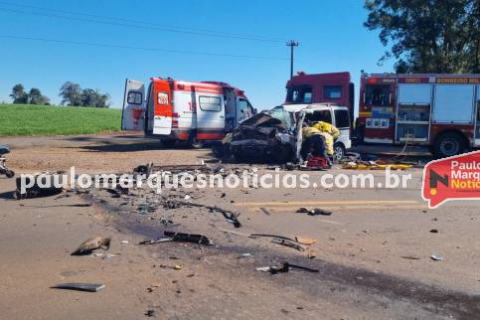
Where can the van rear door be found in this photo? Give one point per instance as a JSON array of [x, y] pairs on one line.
[[133, 105], [162, 120], [342, 122], [210, 116]]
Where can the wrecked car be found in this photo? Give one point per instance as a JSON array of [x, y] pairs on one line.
[[275, 136], [263, 137]]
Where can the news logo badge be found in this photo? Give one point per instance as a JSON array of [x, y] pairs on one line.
[[454, 178]]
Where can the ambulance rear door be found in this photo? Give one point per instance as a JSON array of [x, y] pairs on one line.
[[133, 112], [162, 119]]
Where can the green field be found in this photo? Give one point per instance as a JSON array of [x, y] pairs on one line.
[[22, 120]]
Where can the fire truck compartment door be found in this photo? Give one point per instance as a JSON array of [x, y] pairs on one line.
[[162, 119], [414, 94], [454, 104], [210, 116], [133, 105]]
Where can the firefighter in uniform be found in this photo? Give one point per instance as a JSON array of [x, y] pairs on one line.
[[319, 138]]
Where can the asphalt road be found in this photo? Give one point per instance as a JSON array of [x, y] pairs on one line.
[[373, 253]]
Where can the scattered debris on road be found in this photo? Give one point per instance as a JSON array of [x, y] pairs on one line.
[[150, 313], [410, 258], [264, 210], [284, 267], [36, 188], [89, 287], [314, 212], [89, 245], [437, 257], [289, 243], [179, 237]]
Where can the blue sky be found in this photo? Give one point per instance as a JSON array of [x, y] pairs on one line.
[[331, 35]]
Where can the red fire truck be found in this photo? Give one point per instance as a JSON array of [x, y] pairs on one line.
[[436, 110], [175, 110]]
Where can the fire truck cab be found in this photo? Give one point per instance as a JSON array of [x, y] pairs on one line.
[[434, 110], [174, 110], [332, 88]]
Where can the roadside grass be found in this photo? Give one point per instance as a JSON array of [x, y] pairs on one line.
[[26, 120]]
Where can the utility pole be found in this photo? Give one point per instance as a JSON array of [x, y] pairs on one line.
[[292, 44]]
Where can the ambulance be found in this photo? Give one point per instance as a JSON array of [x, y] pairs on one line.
[[191, 112]]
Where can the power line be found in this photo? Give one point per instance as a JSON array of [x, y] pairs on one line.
[[96, 44], [128, 23]]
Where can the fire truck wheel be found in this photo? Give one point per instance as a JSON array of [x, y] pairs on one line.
[[340, 152], [449, 144]]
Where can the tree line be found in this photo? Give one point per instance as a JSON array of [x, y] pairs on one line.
[[71, 93], [437, 36]]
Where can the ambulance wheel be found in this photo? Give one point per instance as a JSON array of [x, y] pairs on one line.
[[168, 143], [449, 144], [10, 174], [196, 144], [340, 152]]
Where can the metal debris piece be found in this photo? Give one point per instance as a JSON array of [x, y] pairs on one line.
[[315, 212], [186, 237], [170, 236], [265, 235], [289, 243], [436, 257], [228, 215], [89, 287], [156, 241], [115, 193], [264, 210], [284, 267], [43, 179], [410, 258], [150, 313], [89, 245]]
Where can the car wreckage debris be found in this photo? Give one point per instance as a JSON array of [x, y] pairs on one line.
[[169, 236], [264, 210], [36, 190], [285, 267], [89, 287], [288, 243], [314, 212], [89, 245], [229, 216], [300, 244]]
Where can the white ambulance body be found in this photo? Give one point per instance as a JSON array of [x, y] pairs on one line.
[[174, 110]]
